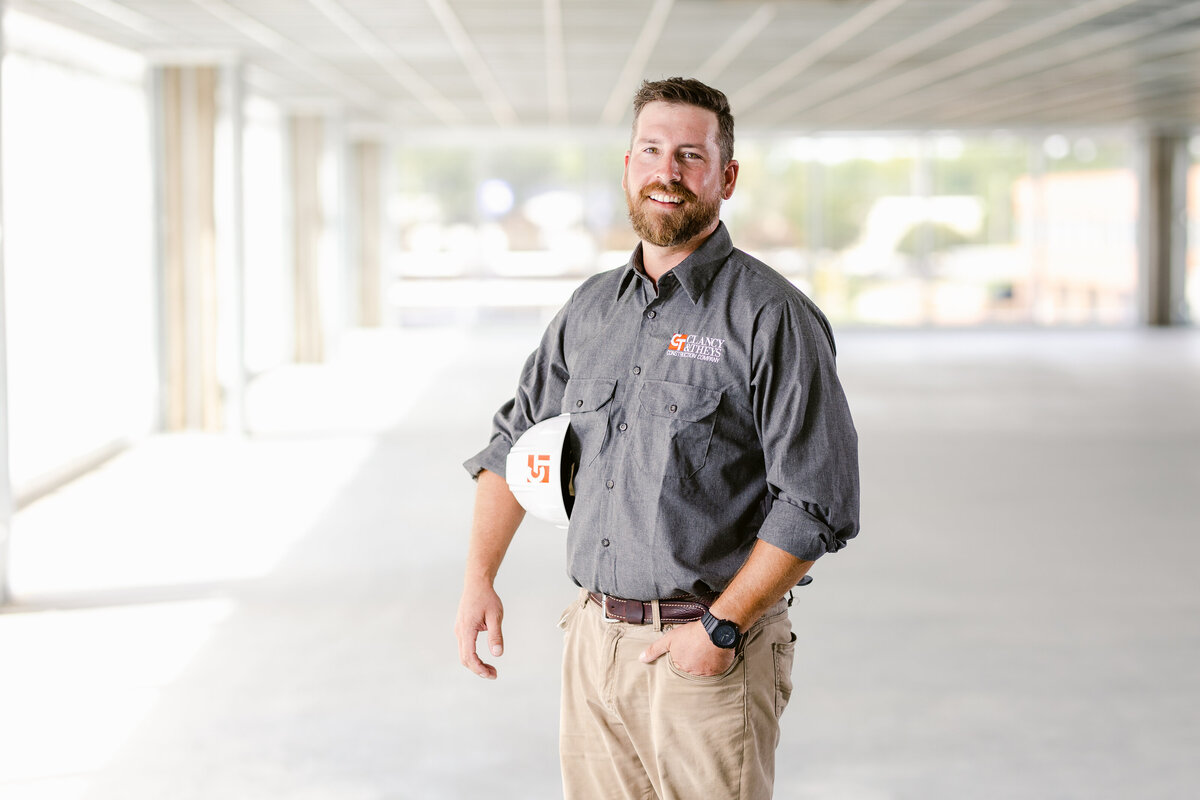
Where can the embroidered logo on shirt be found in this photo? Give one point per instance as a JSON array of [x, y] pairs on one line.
[[701, 348]]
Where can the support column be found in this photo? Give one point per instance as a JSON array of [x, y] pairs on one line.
[[189, 281], [368, 228], [1163, 228], [307, 224], [232, 241], [6, 498]]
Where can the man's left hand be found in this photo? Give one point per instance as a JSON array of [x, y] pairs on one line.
[[691, 651]]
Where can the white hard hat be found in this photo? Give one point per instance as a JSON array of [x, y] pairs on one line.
[[541, 470]]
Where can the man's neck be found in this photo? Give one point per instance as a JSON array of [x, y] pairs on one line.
[[658, 261]]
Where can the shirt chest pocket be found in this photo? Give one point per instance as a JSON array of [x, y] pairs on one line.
[[676, 422], [588, 401]]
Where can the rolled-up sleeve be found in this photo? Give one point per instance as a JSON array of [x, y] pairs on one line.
[[807, 435], [538, 397]]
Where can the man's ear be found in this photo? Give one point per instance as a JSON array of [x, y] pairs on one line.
[[731, 174]]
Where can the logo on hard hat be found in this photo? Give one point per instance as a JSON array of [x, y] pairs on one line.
[[539, 468]]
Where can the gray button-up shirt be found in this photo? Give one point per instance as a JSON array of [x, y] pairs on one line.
[[705, 415]]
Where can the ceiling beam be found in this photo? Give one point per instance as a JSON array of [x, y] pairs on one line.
[[977, 89], [556, 62], [858, 74], [272, 40], [1113, 65], [389, 61], [974, 57], [814, 51], [484, 80], [736, 42], [635, 64], [126, 17]]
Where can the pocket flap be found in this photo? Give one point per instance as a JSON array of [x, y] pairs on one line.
[[678, 400], [587, 394]]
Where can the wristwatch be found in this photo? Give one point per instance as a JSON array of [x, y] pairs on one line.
[[724, 634]]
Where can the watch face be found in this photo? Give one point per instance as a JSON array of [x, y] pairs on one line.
[[725, 635]]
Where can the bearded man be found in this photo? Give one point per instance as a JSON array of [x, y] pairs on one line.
[[717, 462]]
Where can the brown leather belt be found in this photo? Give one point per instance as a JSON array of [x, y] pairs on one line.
[[637, 612]]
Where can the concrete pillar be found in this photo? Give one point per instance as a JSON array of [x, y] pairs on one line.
[[6, 498], [232, 249], [189, 259], [1162, 234], [367, 221], [306, 141]]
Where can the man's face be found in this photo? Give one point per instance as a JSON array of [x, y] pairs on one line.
[[674, 180]]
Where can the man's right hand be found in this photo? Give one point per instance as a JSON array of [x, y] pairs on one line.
[[479, 610]]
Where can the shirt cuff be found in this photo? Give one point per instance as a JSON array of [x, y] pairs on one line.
[[794, 530], [491, 458]]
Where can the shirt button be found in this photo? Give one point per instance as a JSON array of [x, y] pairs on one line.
[[578, 403], [651, 314], [604, 542], [609, 484], [622, 427], [674, 408], [637, 370]]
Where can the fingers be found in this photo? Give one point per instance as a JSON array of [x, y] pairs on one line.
[[479, 610], [656, 649], [495, 636], [469, 658]]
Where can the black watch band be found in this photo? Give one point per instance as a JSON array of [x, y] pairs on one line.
[[721, 632]]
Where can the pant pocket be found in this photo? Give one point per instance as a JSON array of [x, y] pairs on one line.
[[785, 656], [687, 676]]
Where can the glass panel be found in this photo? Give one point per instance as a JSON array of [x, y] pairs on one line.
[[946, 229], [80, 306], [1087, 267]]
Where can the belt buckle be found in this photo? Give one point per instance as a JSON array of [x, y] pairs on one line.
[[604, 610]]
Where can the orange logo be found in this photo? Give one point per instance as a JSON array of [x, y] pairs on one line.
[[539, 469], [677, 342]]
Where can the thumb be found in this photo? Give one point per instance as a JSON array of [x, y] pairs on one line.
[[495, 635], [656, 649]]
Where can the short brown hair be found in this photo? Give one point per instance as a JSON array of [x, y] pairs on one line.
[[691, 92]]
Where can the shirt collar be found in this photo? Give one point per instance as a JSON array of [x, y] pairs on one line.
[[695, 272]]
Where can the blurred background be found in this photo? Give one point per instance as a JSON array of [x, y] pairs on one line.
[[269, 266]]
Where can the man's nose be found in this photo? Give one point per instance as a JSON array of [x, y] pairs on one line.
[[668, 171]]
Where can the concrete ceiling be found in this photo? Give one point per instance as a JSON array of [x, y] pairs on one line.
[[793, 64]]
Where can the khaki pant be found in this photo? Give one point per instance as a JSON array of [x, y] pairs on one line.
[[640, 731]]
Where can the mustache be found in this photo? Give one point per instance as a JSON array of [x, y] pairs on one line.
[[677, 189]]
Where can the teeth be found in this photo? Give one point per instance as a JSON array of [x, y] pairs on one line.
[[666, 198]]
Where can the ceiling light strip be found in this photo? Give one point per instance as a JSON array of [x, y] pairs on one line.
[[635, 65], [829, 41], [496, 102]]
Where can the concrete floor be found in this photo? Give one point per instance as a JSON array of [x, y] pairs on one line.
[[270, 617]]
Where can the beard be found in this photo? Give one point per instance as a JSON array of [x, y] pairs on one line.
[[675, 227]]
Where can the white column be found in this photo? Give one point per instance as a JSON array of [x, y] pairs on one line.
[[6, 498], [1162, 228], [231, 243]]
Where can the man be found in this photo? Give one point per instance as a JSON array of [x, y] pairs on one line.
[[717, 462]]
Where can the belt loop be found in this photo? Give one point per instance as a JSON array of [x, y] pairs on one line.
[[583, 597], [656, 612]]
